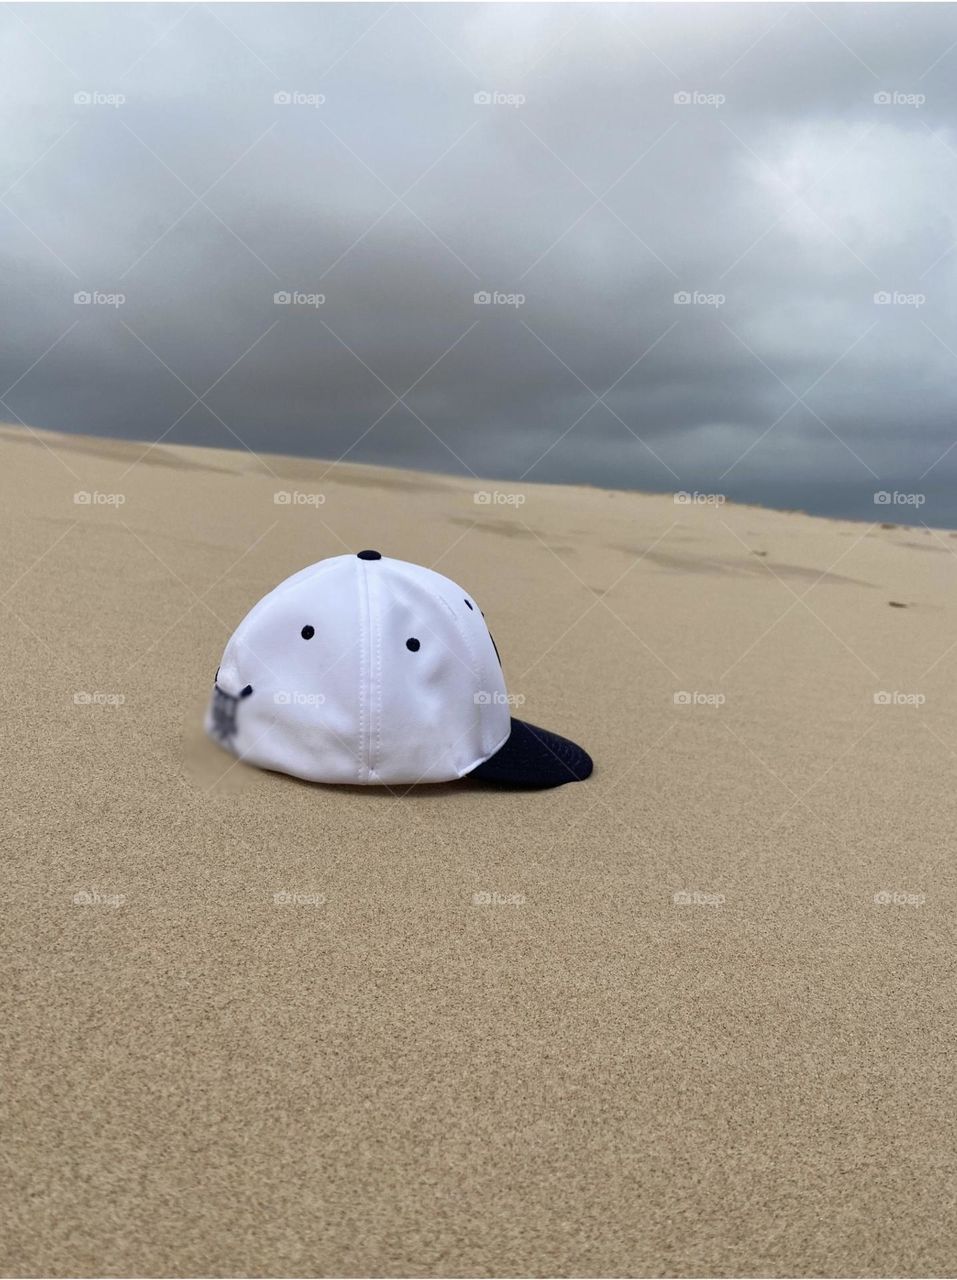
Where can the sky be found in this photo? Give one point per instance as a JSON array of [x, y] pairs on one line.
[[699, 248]]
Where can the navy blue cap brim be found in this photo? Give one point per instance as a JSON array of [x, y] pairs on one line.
[[534, 758]]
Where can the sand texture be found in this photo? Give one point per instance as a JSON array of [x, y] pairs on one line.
[[704, 1027]]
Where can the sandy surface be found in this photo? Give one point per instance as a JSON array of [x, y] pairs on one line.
[[755, 1078]]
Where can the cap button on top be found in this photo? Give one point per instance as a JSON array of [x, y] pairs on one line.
[[369, 555]]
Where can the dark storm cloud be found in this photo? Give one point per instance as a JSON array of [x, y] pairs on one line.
[[780, 166]]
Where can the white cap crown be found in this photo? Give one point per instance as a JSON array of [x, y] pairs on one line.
[[362, 669]]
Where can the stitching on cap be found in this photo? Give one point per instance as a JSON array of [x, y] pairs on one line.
[[375, 722], [479, 671], [363, 592]]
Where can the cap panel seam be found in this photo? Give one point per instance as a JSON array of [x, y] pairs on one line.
[[375, 659], [479, 672], [362, 586], [478, 669], [477, 666]]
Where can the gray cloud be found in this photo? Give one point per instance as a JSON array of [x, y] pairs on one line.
[[742, 155]]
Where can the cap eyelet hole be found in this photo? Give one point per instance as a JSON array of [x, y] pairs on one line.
[[307, 632], [412, 644]]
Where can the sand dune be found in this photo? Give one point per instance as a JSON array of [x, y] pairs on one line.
[[705, 1025]]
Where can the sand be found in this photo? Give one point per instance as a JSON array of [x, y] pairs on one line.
[[588, 1075]]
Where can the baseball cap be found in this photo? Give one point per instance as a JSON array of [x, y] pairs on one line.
[[364, 669]]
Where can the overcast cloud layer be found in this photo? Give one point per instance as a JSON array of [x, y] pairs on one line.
[[792, 170]]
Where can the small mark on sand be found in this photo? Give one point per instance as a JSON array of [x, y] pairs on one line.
[[503, 528], [677, 563], [356, 479], [896, 604]]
